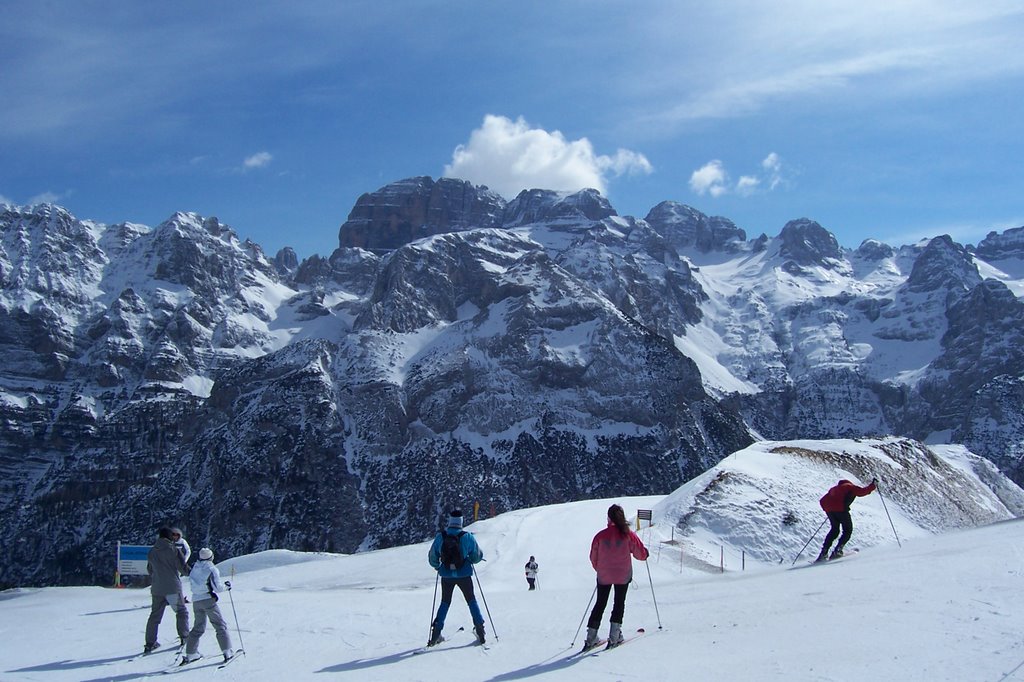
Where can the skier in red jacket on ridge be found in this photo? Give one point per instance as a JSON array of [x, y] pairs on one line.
[[836, 504]]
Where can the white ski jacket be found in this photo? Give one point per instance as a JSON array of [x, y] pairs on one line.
[[205, 575]]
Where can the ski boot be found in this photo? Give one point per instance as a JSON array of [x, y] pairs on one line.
[[591, 641], [186, 659], [435, 635], [479, 630], [615, 637]]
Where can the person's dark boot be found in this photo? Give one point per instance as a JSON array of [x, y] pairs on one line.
[[435, 635], [822, 556], [479, 630]]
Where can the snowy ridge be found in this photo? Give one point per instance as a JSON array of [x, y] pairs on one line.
[[763, 501]]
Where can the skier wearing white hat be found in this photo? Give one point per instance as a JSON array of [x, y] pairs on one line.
[[206, 583]]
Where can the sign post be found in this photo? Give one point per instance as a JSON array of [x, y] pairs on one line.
[[131, 560]]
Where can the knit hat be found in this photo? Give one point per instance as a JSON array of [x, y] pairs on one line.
[[455, 519], [205, 554]]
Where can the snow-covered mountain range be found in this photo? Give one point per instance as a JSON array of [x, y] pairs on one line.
[[458, 348]]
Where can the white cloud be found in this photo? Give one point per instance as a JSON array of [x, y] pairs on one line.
[[5, 200], [712, 178], [772, 53], [509, 156], [45, 198], [747, 185], [772, 166], [258, 160]]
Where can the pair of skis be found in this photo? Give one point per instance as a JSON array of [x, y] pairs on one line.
[[436, 646], [179, 667], [848, 555], [602, 645]]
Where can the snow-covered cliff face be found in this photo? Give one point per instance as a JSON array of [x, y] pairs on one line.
[[458, 349]]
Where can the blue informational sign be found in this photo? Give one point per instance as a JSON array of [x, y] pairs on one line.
[[132, 559]]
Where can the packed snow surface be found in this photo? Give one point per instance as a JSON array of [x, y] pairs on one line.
[[942, 607]]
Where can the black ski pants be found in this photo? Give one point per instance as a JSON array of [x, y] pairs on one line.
[[448, 586], [840, 521], [618, 605]]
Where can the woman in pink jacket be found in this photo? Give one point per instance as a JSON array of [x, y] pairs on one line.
[[611, 555]]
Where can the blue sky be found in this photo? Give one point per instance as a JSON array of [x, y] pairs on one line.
[[891, 120]]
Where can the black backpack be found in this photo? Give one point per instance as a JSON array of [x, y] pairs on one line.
[[451, 551]]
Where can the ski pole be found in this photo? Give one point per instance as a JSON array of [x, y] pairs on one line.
[[433, 605], [580, 626], [486, 608], [808, 541], [900, 544], [651, 580], [241, 645]]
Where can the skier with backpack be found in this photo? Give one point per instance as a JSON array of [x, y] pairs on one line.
[[452, 555]]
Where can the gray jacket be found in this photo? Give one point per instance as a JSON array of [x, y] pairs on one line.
[[165, 567]]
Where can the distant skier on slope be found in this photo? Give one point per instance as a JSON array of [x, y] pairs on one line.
[[531, 573], [452, 554], [836, 505], [165, 566], [610, 555], [206, 583]]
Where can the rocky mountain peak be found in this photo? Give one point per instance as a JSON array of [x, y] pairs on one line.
[[685, 227], [545, 205], [286, 262], [995, 246], [410, 209], [44, 249], [805, 243], [204, 255], [874, 250], [943, 264]]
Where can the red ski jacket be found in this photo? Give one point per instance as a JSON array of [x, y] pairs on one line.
[[841, 495], [611, 552]]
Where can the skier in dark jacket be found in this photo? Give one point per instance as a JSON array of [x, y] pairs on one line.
[[453, 575], [166, 566], [836, 505]]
